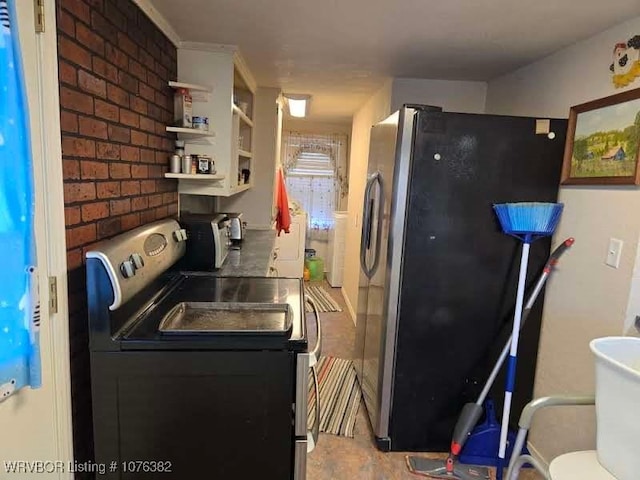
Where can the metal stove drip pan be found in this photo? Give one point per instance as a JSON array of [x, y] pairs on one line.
[[227, 318]]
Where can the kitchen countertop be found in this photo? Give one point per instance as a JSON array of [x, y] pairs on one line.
[[253, 258]]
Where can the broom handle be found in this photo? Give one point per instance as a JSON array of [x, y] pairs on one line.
[[511, 372], [546, 271]]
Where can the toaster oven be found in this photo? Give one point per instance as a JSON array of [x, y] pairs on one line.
[[208, 241], [236, 227]]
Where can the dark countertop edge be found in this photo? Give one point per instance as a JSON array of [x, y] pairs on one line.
[[253, 258]]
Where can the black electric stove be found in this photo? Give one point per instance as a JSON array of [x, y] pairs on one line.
[[194, 376]]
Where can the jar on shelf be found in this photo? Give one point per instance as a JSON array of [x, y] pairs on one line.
[[179, 148], [186, 164], [175, 163]]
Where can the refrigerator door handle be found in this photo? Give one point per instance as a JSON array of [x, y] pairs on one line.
[[364, 238], [369, 225], [376, 258]]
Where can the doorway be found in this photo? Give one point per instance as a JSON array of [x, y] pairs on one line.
[[39, 420]]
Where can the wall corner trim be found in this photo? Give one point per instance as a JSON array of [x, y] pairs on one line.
[[535, 453], [209, 47], [241, 65], [347, 302], [159, 20], [233, 50]]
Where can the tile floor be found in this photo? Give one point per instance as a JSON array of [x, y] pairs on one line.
[[341, 458]]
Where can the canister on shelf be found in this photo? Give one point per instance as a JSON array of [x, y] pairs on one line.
[[186, 164], [174, 163], [180, 147], [204, 164], [182, 106], [200, 123]]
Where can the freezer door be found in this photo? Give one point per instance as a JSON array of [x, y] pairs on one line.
[[460, 271], [390, 154]]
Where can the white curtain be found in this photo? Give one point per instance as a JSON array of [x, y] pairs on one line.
[[316, 173]]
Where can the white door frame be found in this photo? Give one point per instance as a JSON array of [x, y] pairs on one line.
[[55, 226], [48, 183]]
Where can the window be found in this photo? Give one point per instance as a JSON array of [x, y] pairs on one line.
[[315, 168], [312, 164]]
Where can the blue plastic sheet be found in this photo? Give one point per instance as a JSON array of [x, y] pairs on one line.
[[19, 304]]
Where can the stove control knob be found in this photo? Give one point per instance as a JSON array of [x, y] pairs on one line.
[[137, 260], [127, 269]]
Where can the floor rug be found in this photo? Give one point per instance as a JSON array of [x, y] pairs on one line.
[[322, 299], [340, 396]]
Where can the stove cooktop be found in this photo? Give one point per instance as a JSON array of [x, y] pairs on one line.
[[143, 331]]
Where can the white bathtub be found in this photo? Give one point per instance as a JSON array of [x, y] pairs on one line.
[[618, 405]]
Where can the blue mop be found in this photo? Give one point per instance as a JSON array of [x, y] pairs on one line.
[[477, 446], [19, 307], [527, 221]]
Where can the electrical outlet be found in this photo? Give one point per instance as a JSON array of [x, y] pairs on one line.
[[614, 252]]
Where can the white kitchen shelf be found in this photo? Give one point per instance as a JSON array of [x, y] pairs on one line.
[[190, 86], [199, 184], [195, 176], [242, 188], [192, 134], [234, 129], [243, 116]]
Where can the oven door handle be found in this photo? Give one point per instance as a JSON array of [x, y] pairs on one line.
[[314, 434], [314, 355]]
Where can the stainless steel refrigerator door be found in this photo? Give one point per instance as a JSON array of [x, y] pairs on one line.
[[391, 144], [374, 239], [363, 280]]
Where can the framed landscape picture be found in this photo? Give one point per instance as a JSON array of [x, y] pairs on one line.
[[602, 142]]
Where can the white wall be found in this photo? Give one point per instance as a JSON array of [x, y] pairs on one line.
[[453, 96], [257, 202], [585, 299], [375, 109]]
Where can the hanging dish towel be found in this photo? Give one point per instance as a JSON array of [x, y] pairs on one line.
[[19, 309], [283, 220]]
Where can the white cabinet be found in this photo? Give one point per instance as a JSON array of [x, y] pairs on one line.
[[229, 108], [335, 256], [290, 248]]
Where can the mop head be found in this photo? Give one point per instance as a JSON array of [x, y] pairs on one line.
[[428, 467], [528, 218]]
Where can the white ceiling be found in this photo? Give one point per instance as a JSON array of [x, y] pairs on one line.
[[340, 51]]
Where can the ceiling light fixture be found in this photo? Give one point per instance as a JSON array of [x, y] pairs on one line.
[[297, 104]]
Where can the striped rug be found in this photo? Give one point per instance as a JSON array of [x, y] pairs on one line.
[[340, 396], [322, 299]]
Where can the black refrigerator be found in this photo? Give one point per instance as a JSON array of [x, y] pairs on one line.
[[437, 275]]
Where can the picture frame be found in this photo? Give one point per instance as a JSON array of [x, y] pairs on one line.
[[603, 141]]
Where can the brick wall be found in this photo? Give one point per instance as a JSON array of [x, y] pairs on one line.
[[114, 65]]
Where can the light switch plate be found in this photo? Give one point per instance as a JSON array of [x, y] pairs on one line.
[[614, 252]]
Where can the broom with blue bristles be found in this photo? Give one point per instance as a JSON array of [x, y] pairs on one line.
[[527, 221]]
